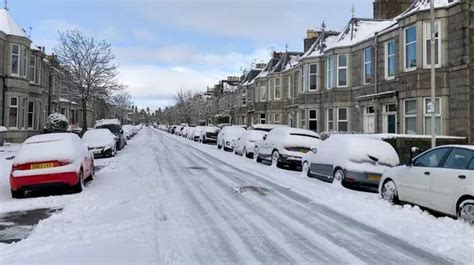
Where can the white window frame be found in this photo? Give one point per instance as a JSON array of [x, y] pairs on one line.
[[332, 120], [290, 85], [18, 60], [339, 68], [368, 114], [338, 120], [405, 45], [263, 92], [405, 115], [428, 115], [313, 74], [330, 72], [25, 63], [275, 87], [17, 107], [260, 119], [312, 119], [275, 120], [385, 114], [389, 57], [366, 63], [304, 82], [28, 112], [427, 46], [32, 69]]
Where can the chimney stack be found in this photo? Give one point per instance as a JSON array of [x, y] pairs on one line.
[[388, 9], [311, 37]]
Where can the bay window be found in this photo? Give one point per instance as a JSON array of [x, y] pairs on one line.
[[367, 65], [31, 115], [15, 59], [313, 77], [304, 81], [277, 88], [427, 43], [330, 72], [410, 48], [13, 116], [32, 69], [342, 72]]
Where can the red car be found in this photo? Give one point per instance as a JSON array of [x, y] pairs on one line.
[[51, 160]]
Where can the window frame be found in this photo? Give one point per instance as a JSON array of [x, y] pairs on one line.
[[264, 119], [18, 55], [330, 72], [304, 82], [455, 149], [263, 92], [427, 47], [275, 88], [17, 107], [32, 113], [388, 58], [410, 116], [330, 110], [440, 163], [428, 115], [406, 44], [275, 120], [367, 63], [290, 86], [32, 69], [313, 119], [315, 74], [338, 120], [339, 68], [385, 114]]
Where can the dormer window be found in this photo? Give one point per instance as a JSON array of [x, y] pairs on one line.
[[15, 59]]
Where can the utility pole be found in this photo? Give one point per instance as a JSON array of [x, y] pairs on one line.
[[432, 106]]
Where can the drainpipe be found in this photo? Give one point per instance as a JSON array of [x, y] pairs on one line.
[[4, 84]]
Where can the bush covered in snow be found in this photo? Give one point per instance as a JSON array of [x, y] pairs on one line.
[[56, 123]]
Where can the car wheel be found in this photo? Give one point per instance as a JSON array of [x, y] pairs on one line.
[[305, 168], [18, 194], [275, 158], [219, 146], [339, 175], [80, 184], [257, 155], [466, 211], [92, 176], [389, 192]]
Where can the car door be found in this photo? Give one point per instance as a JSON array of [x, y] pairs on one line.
[[415, 180], [448, 182]]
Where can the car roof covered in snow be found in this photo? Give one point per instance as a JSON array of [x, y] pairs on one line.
[[107, 121], [294, 131], [265, 127]]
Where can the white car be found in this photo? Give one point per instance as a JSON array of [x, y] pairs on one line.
[[101, 142], [285, 146], [209, 134], [266, 127], [246, 143], [351, 160], [441, 179], [195, 135], [227, 137]]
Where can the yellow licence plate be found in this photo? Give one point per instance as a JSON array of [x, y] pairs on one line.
[[304, 151], [41, 165], [374, 177]]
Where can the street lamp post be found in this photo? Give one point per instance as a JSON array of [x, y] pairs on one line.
[[432, 106]]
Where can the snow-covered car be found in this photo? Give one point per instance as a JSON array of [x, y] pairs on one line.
[[441, 179], [188, 131], [209, 134], [101, 142], [47, 160], [351, 160], [195, 135], [285, 146], [245, 145], [129, 131], [115, 127], [227, 137]]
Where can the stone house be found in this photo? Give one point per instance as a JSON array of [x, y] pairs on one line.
[[374, 75]]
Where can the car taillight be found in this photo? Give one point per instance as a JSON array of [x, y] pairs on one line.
[[62, 163], [20, 167]]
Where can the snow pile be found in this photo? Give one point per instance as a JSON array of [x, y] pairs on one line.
[[3, 129], [57, 122]]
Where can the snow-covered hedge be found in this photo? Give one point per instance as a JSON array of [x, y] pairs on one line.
[[57, 123]]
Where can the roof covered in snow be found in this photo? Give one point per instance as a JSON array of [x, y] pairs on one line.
[[326, 39], [250, 76], [424, 5], [9, 26]]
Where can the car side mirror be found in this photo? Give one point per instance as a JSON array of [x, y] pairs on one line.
[[314, 150], [409, 161]]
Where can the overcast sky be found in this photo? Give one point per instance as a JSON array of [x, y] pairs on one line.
[[162, 46]]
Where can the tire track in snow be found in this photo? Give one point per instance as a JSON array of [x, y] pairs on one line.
[[380, 245]]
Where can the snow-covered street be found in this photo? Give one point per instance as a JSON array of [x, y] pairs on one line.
[[168, 200]]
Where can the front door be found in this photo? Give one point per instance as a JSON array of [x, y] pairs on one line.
[[369, 120]]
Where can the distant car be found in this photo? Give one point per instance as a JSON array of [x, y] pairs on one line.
[[57, 159], [209, 134], [351, 160], [227, 137], [245, 145], [195, 135], [115, 127], [441, 179], [285, 146], [129, 131], [101, 142]]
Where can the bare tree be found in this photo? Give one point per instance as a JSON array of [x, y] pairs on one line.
[[89, 64], [123, 101]]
